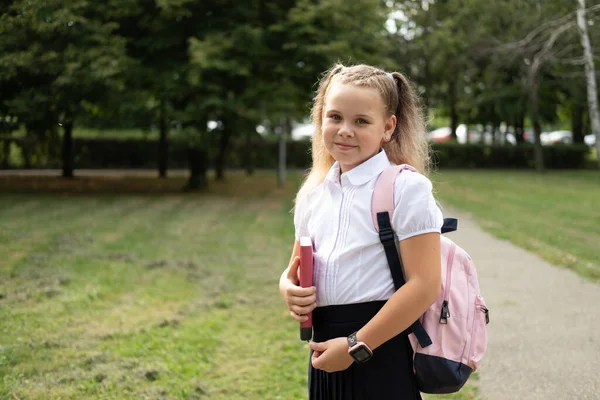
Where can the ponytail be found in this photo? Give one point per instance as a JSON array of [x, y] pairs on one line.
[[408, 144]]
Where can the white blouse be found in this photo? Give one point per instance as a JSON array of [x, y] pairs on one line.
[[349, 260]]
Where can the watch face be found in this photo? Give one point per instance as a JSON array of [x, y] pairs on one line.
[[361, 354]]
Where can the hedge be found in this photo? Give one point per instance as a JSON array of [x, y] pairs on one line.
[[100, 153], [454, 155]]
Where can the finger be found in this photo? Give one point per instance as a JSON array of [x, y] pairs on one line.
[[315, 360], [295, 290], [301, 310], [316, 346], [293, 270], [299, 317], [303, 301]]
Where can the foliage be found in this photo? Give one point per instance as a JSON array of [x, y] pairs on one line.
[[97, 153], [175, 65]]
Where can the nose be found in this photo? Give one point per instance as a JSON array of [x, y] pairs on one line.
[[345, 130]]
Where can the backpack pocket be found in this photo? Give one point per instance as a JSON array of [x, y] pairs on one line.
[[479, 336]]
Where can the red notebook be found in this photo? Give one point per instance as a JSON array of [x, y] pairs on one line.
[[306, 280]]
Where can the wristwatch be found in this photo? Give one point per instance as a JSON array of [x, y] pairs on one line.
[[359, 351]]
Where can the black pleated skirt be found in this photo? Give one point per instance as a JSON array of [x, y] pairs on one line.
[[388, 375]]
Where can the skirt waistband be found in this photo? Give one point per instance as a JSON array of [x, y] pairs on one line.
[[346, 312]]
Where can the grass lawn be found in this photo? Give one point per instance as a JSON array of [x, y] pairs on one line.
[[147, 293], [556, 214], [82, 132], [79, 132]]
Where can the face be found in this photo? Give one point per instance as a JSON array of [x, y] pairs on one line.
[[355, 124]]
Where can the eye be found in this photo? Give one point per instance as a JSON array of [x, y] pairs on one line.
[[335, 117], [361, 121]]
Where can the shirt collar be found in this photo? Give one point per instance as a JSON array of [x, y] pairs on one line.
[[362, 173]]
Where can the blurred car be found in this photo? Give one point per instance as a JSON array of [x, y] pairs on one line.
[[590, 140], [302, 131], [444, 134], [529, 135], [556, 137], [440, 135]]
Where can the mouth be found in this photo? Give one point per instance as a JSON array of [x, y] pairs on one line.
[[342, 146]]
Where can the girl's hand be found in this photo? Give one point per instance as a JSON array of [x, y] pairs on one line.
[[300, 300], [332, 355]]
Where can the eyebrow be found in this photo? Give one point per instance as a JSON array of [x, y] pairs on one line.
[[358, 115]]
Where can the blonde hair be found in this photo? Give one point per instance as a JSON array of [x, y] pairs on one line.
[[407, 145]]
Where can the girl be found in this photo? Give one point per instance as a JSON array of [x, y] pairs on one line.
[[365, 120]]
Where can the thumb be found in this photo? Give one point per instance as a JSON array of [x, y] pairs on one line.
[[320, 347], [293, 271]]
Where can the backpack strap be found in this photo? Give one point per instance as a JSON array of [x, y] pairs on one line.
[[382, 206], [382, 209], [383, 197]]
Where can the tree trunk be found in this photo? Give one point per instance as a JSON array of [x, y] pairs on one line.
[[249, 156], [163, 145], [6, 150], [198, 169], [225, 135], [533, 114], [453, 112], [284, 124], [520, 128], [504, 134], [577, 122], [67, 154], [425, 98], [26, 150], [590, 73]]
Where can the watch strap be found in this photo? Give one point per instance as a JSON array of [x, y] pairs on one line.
[[352, 340]]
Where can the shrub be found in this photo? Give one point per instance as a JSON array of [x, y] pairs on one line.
[[101, 153]]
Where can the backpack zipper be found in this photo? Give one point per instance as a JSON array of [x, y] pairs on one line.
[[479, 307], [445, 313]]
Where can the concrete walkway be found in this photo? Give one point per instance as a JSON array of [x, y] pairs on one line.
[[544, 331]]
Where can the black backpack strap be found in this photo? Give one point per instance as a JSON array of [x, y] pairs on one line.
[[450, 225], [388, 239]]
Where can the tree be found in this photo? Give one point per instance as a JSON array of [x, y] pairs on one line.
[[65, 56], [260, 62], [590, 73], [313, 37], [157, 33]]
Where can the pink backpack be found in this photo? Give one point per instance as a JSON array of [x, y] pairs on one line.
[[450, 339]]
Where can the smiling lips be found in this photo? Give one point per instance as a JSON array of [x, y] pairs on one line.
[[342, 146]]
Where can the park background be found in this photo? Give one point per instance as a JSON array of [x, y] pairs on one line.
[[150, 151]]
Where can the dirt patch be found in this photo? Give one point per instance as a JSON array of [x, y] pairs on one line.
[[104, 184], [46, 344], [174, 322], [94, 359], [69, 243], [34, 283], [122, 257], [151, 375]]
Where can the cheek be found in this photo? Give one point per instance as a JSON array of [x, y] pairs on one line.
[[328, 132]]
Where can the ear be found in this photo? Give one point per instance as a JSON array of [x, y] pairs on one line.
[[390, 126]]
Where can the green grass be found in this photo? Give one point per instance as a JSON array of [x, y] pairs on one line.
[[82, 132], [79, 132], [554, 214], [127, 288]]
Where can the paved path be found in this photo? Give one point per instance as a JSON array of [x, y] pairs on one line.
[[544, 333]]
